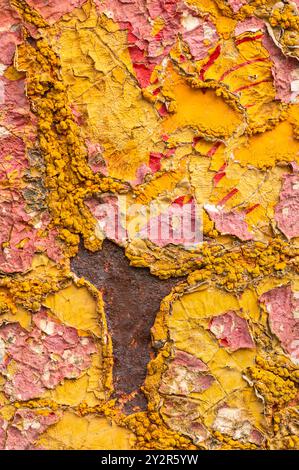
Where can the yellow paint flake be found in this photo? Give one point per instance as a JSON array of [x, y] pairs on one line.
[[199, 109], [267, 149], [88, 433], [97, 70], [75, 306]]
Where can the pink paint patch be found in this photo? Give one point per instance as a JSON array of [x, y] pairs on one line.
[[229, 222], [143, 74], [20, 236], [9, 16], [185, 359], [109, 214], [3, 426], [95, 158], [236, 4], [163, 111], [8, 42], [287, 210], [14, 107], [24, 430], [250, 24], [141, 173], [53, 10], [14, 230], [186, 374], [44, 357], [13, 158], [178, 224], [285, 70], [282, 305], [19, 223], [232, 331], [196, 36]]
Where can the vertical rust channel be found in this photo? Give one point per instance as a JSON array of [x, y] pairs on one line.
[[132, 298]]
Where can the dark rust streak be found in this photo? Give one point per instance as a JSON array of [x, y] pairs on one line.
[[132, 298]]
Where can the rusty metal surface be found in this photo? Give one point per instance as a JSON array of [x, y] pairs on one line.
[[132, 298]]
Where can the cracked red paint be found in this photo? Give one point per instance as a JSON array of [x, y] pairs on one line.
[[148, 50], [44, 356], [53, 10]]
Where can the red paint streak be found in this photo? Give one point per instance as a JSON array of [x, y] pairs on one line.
[[218, 177], [170, 152], [182, 200], [239, 66], [222, 168], [248, 38], [163, 111], [228, 196], [213, 149], [220, 174], [131, 37], [159, 35], [196, 139], [250, 209], [214, 56], [179, 200], [250, 86]]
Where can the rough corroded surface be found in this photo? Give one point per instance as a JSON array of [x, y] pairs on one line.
[[131, 300]]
